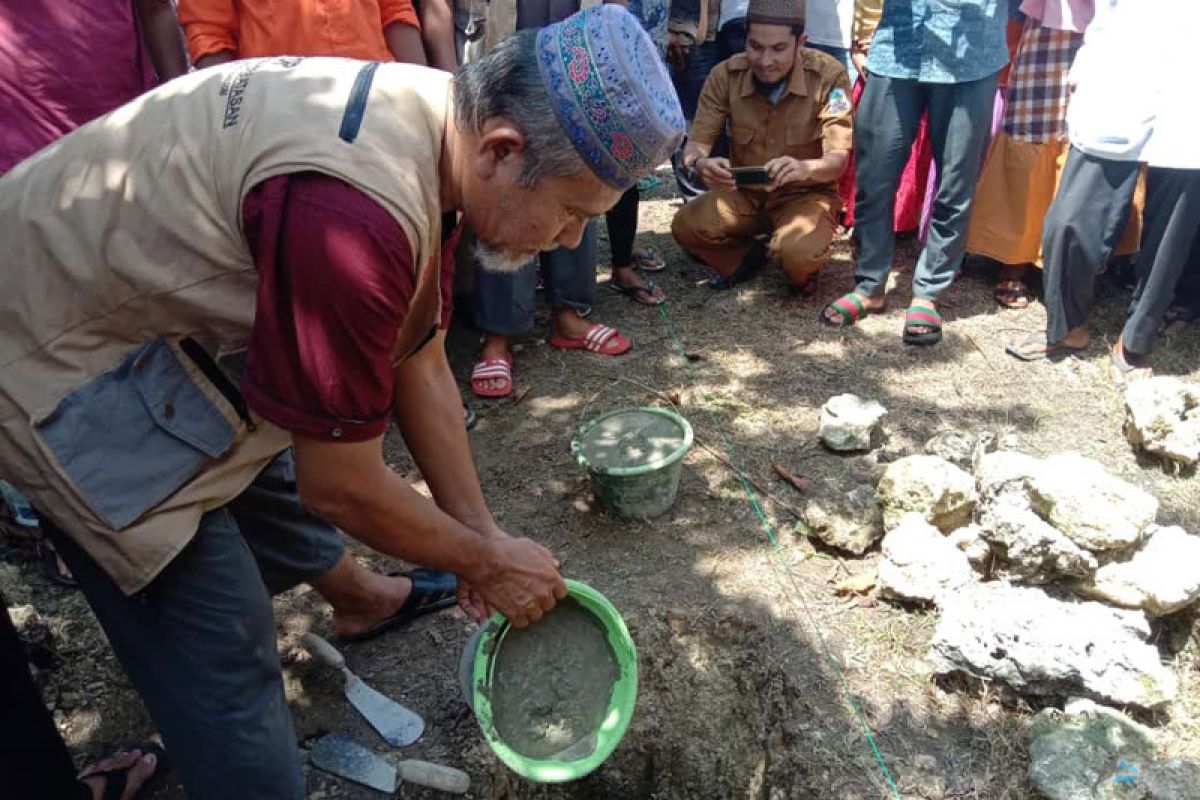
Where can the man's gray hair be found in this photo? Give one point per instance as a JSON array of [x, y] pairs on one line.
[[506, 83]]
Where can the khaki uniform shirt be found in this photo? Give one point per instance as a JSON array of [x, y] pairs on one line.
[[811, 119]]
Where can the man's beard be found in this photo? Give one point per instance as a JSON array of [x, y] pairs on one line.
[[493, 260]]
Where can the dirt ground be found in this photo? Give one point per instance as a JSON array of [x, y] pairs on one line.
[[739, 696]]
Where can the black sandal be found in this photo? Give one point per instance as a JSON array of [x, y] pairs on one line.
[[115, 780], [432, 590]]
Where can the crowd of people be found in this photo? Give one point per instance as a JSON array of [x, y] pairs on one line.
[[236, 189]]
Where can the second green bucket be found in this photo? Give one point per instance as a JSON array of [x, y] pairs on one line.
[[634, 457]]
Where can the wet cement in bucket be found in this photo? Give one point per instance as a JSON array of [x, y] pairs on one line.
[[552, 683], [630, 440]]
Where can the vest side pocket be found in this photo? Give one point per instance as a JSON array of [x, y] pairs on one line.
[[131, 437]]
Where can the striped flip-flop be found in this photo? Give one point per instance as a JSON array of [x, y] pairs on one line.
[[599, 339], [850, 309], [489, 370], [922, 317]]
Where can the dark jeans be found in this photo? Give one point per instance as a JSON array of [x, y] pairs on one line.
[[701, 59], [33, 758], [960, 122], [503, 302], [1171, 221], [1082, 227], [199, 642]]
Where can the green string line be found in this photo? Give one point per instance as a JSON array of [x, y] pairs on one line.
[[776, 555]]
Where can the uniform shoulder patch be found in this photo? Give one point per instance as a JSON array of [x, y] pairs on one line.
[[838, 103]]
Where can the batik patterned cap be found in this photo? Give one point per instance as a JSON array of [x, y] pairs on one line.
[[611, 92]]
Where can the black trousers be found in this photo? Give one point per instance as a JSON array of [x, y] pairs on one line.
[[622, 222], [33, 757], [1082, 227], [1171, 222]]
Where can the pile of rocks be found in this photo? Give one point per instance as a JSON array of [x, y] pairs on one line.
[[1045, 572]]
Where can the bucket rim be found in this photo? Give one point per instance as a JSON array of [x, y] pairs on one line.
[[641, 469], [620, 705]]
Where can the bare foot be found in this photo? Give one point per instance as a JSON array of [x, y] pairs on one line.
[[494, 346], [567, 324], [628, 278], [360, 598], [140, 769]]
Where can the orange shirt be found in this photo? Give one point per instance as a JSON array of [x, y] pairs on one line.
[[251, 28]]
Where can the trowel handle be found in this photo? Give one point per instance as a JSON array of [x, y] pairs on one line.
[[435, 776], [322, 650]]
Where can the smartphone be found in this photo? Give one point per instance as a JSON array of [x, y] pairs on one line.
[[751, 176]]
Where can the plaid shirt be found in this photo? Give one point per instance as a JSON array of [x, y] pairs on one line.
[[1036, 110], [937, 41]]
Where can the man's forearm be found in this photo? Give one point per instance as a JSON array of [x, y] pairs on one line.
[[694, 151], [429, 412], [404, 43], [163, 37], [828, 168], [213, 59], [437, 31]]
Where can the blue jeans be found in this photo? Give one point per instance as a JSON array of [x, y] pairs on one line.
[[503, 303], [960, 122], [842, 54], [199, 642]]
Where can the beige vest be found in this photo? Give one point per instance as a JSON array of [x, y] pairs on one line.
[[123, 238]]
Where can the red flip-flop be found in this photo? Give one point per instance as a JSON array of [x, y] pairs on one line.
[[599, 339], [492, 369]]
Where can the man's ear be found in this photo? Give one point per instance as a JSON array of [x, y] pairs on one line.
[[500, 144]]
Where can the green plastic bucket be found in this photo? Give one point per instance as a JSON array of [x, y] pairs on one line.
[[476, 674], [634, 457]]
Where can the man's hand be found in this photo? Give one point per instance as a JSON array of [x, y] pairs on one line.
[[676, 51], [786, 170], [858, 57], [716, 174], [518, 577]]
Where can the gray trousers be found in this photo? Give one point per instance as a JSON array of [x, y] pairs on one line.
[[1082, 227], [1171, 222], [199, 642], [886, 122], [503, 303]]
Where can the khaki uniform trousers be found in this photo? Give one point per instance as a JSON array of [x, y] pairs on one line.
[[720, 228]]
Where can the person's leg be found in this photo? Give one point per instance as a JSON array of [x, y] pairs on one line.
[[622, 222], [689, 80], [571, 285], [803, 231], [502, 306], [199, 645], [841, 54], [292, 546], [888, 115], [960, 119], [719, 229], [33, 757], [1084, 221], [1172, 219]]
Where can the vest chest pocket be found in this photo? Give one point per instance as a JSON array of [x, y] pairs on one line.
[[131, 437]]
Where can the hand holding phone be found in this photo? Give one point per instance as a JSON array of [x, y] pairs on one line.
[[751, 176]]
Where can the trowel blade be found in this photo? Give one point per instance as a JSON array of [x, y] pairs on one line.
[[396, 724], [342, 756]]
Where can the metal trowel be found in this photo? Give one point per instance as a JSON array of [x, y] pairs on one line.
[[342, 756], [395, 723]]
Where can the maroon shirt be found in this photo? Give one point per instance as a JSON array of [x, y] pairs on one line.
[[335, 279]]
